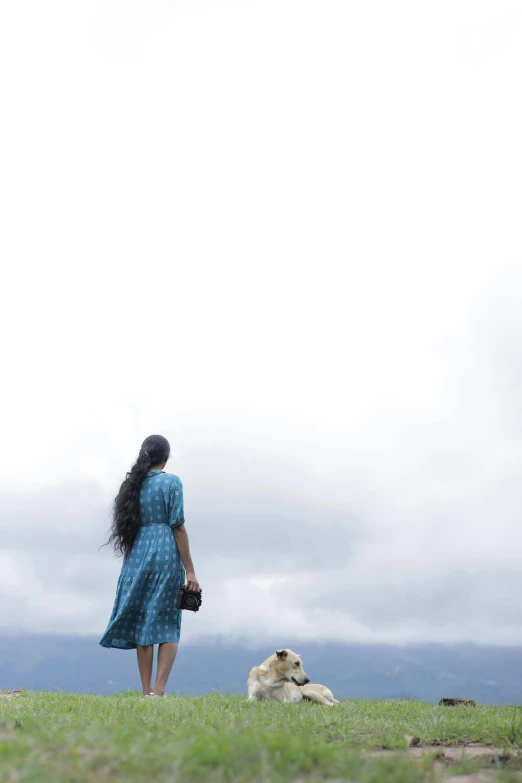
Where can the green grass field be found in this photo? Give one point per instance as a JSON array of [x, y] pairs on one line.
[[73, 738]]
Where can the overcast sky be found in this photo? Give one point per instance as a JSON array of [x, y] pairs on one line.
[[286, 235]]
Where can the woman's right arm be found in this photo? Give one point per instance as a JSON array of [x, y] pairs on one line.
[[181, 536]]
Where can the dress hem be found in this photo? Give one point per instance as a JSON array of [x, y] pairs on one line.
[[123, 644]]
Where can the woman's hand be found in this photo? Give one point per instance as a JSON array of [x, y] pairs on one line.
[[192, 582]]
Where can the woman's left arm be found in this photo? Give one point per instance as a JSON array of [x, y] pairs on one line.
[[182, 540]]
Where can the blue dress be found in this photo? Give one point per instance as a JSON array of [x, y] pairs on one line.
[[152, 573]]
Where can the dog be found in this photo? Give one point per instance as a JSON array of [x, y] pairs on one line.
[[282, 677]]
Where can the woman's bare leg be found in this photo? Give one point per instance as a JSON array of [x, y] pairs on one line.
[[145, 660], [166, 657]]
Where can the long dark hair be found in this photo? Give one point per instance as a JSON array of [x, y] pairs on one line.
[[155, 450]]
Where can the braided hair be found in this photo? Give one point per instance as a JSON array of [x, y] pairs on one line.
[[155, 450]]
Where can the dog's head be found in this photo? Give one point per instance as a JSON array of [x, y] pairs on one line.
[[290, 667]]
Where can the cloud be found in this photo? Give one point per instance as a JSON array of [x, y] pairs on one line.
[[416, 540]]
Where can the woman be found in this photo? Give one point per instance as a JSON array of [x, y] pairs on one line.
[[148, 529]]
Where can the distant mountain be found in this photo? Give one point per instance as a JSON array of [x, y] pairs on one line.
[[491, 675]]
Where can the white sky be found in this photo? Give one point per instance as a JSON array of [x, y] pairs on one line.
[[287, 236]]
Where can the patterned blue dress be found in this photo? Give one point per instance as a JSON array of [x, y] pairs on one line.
[[152, 573]]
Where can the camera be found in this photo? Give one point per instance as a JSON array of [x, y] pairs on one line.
[[189, 599]]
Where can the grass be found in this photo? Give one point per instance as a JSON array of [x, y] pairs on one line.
[[71, 738]]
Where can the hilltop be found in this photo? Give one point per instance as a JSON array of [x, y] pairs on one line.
[[89, 739]]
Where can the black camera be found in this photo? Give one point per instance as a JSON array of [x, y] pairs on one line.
[[189, 599]]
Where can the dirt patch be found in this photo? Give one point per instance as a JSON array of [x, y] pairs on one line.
[[457, 753], [480, 778]]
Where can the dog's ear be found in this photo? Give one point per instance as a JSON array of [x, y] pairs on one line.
[[281, 654]]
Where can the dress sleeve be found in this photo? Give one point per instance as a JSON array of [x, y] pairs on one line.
[[176, 511]]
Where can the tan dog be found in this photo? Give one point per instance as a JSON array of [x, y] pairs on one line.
[[282, 677]]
